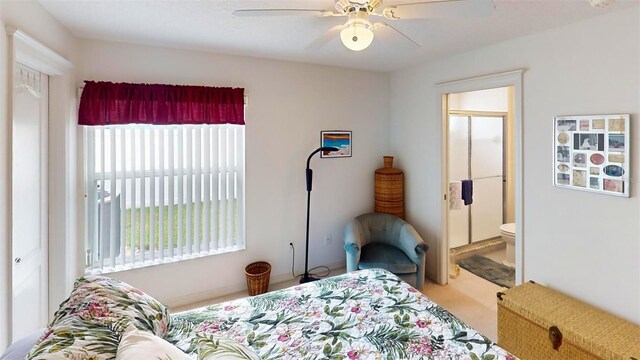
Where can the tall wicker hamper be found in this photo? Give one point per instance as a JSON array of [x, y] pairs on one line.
[[535, 322], [389, 189]]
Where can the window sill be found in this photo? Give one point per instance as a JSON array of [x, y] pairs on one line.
[[166, 260]]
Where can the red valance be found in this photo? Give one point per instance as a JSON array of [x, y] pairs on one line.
[[107, 103]]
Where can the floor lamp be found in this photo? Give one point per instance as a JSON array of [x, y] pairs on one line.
[[309, 172]]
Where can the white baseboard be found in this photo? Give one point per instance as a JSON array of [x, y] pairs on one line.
[[231, 289]]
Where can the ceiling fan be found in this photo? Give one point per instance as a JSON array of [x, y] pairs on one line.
[[358, 32]]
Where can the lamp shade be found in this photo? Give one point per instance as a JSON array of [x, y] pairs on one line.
[[357, 34]]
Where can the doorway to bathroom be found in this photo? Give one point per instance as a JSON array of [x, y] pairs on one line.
[[481, 187]]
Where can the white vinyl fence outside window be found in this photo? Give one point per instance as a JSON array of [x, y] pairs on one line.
[[156, 194]]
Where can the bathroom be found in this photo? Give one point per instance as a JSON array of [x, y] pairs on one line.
[[481, 178]]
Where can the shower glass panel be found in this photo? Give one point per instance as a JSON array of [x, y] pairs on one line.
[[459, 170], [476, 152], [487, 175]]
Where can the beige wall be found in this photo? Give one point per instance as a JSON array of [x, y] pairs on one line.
[[586, 245], [288, 105], [482, 100]]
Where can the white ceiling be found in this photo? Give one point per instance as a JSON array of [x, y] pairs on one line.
[[211, 26]]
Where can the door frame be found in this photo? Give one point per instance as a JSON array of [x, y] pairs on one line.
[[27, 51], [504, 79]]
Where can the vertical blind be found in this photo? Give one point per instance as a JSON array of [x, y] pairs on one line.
[[158, 193]]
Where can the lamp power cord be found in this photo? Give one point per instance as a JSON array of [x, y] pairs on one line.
[[325, 273]]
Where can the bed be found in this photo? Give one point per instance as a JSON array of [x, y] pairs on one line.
[[368, 314]]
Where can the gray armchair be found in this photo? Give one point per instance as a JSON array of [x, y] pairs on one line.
[[378, 240]]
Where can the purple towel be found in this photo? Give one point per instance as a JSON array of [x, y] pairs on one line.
[[467, 191]]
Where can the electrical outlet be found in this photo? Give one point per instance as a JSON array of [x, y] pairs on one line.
[[327, 239]]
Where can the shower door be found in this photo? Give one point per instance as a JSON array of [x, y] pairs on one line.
[[476, 152]]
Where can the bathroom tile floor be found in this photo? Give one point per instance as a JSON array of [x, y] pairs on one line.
[[469, 297], [498, 255]]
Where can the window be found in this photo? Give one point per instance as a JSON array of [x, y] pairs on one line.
[[160, 193]]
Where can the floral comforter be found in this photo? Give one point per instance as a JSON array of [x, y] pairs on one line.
[[368, 314]]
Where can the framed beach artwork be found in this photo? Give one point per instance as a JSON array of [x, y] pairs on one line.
[[591, 153], [336, 138]]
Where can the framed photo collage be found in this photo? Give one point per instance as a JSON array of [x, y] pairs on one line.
[[592, 153]]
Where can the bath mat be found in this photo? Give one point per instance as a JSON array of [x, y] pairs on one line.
[[490, 270]]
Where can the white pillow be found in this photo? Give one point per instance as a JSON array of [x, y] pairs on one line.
[[137, 344]]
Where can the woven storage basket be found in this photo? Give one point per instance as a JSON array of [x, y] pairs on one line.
[[389, 189], [258, 274], [390, 207], [533, 320]]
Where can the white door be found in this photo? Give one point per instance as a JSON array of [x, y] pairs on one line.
[[29, 224], [487, 175]]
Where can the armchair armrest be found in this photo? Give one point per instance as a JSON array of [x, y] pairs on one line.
[[412, 244], [353, 243]]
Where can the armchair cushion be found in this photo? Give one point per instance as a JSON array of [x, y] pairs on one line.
[[379, 255]]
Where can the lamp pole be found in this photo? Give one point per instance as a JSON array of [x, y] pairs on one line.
[[309, 173]]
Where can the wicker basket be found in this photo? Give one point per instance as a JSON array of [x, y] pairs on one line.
[[390, 207], [258, 274], [389, 189], [535, 322]]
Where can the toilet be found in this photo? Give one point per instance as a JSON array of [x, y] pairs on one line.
[[508, 232]]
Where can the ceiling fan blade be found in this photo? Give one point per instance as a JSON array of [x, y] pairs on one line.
[[380, 26], [283, 12], [439, 9], [325, 38]]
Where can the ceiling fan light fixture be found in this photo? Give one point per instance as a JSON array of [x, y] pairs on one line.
[[357, 34], [356, 37]]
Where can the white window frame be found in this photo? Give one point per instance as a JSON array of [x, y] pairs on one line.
[[232, 168]]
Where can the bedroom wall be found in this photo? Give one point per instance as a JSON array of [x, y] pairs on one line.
[[482, 100], [31, 18], [288, 105], [583, 244]]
